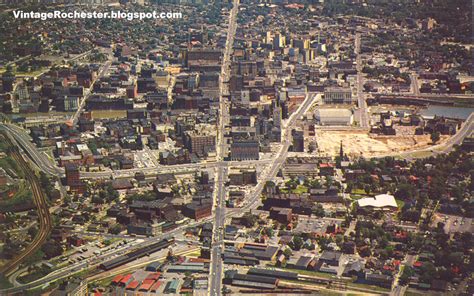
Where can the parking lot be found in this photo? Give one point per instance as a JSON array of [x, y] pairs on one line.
[[453, 223]]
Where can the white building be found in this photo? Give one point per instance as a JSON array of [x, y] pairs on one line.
[[381, 201], [334, 117]]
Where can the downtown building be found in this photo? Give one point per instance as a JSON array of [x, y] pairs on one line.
[[338, 95]]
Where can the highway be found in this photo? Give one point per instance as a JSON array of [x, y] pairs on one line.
[[40, 200], [182, 251], [252, 201], [91, 264], [46, 165], [216, 268], [466, 130], [38, 158]]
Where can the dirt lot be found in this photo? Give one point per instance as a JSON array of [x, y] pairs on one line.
[[357, 143], [108, 114]]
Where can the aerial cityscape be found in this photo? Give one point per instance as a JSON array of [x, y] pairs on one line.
[[239, 147]]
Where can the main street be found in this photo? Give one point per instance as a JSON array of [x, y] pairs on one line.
[[216, 270], [88, 92]]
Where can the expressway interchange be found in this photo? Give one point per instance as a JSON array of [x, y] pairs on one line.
[[46, 165], [39, 199]]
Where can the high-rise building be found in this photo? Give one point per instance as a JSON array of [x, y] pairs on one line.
[[201, 140], [279, 41], [72, 174], [276, 113], [71, 103], [73, 178], [7, 81], [298, 140]]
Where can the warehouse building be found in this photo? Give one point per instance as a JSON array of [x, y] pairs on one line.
[[253, 281], [334, 117], [193, 267], [273, 273]]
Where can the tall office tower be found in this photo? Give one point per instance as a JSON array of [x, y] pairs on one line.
[[276, 113]]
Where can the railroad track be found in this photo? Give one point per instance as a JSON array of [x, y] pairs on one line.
[[39, 199]]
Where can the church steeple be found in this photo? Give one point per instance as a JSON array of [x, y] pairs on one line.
[[341, 152]]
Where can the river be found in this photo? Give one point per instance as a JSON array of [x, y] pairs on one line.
[[447, 111]]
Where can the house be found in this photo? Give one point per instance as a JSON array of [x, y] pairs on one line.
[[122, 184], [348, 247]]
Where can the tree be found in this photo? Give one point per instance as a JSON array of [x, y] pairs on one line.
[[318, 210], [367, 188], [407, 273], [296, 243], [456, 258], [52, 249], [32, 231], [435, 136], [268, 231], [428, 272], [116, 229], [405, 191]]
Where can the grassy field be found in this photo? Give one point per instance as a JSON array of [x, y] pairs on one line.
[[27, 73], [36, 273], [4, 283], [298, 190], [357, 196], [400, 203], [9, 165], [418, 154], [413, 293], [358, 192], [22, 196]]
